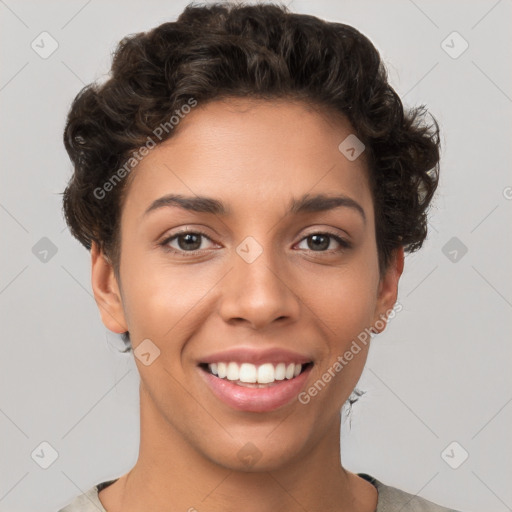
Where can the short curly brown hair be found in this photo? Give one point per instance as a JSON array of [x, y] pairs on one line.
[[262, 51]]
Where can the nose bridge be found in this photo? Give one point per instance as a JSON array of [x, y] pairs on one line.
[[257, 263], [257, 289], [258, 266]]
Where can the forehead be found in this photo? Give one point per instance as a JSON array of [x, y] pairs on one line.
[[251, 153]]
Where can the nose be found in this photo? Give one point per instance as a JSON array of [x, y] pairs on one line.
[[259, 292]]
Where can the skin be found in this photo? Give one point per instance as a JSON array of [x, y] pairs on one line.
[[254, 155]]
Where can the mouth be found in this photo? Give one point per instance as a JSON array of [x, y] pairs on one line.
[[255, 376], [255, 388]]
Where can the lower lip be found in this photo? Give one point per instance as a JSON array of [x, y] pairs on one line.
[[256, 399]]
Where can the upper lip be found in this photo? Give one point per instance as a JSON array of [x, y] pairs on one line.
[[256, 356]]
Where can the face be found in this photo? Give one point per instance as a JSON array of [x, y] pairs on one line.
[[255, 284]]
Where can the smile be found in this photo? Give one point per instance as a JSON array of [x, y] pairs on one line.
[[248, 373], [252, 388]]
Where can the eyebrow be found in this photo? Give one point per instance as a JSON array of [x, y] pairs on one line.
[[304, 204]]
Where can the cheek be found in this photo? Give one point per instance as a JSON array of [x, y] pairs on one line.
[[345, 299], [164, 301], [161, 301], [343, 312]]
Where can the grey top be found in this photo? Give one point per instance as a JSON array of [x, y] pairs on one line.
[[390, 499]]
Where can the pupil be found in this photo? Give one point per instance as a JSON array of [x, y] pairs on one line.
[[187, 237], [322, 246]]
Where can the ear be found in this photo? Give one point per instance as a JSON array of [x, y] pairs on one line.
[[106, 291], [388, 291]]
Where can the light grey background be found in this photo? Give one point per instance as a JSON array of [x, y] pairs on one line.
[[439, 373]]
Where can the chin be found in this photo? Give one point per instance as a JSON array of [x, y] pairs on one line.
[[258, 453]]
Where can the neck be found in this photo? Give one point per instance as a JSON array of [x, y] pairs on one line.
[[171, 475]]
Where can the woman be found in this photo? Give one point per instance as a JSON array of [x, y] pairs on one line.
[[273, 145]]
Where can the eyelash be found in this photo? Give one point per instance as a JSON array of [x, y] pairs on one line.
[[164, 244]]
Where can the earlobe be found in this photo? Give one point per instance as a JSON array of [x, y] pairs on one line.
[[388, 290], [106, 291]]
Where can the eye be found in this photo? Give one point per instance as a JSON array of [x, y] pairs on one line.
[[188, 242], [321, 241]]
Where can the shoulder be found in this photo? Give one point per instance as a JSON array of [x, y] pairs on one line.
[[88, 501], [389, 498]]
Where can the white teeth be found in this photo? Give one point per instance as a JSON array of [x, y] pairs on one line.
[[247, 372], [221, 368], [232, 372], [280, 372], [265, 373]]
